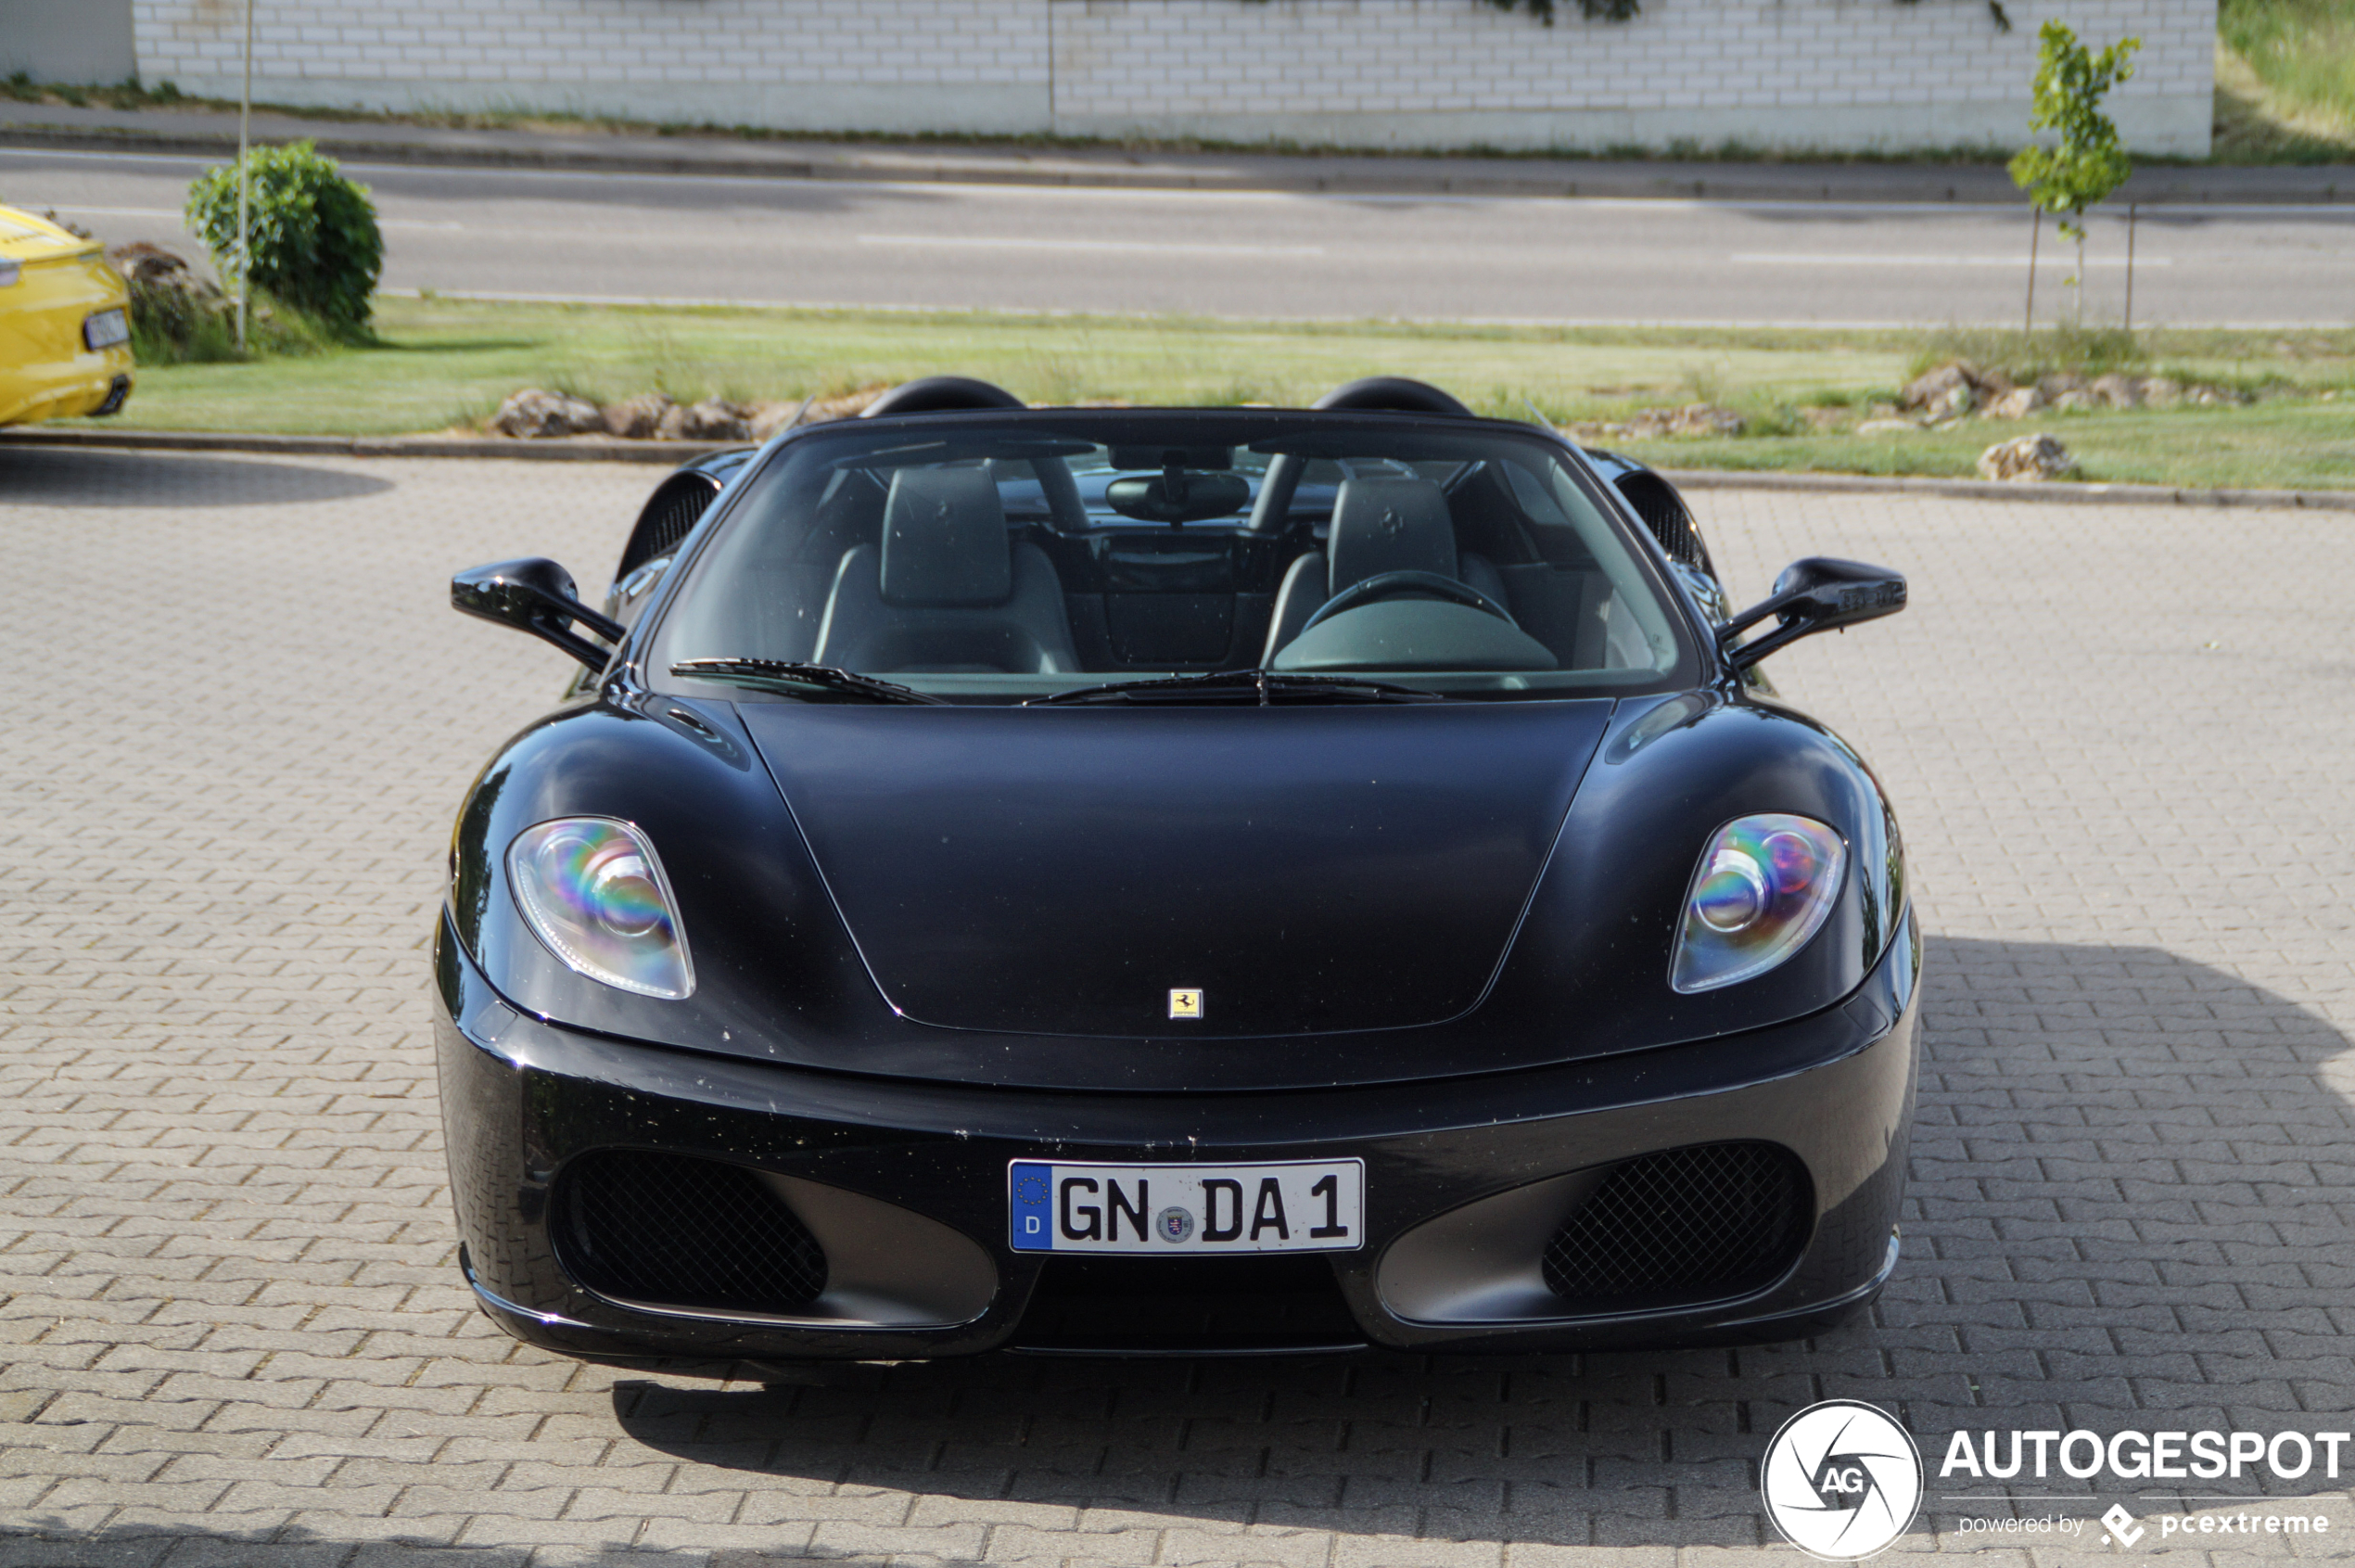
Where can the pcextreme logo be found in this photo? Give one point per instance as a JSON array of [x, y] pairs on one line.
[[1842, 1479]]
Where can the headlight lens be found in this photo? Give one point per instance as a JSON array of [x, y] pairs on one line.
[[1765, 885], [593, 890]]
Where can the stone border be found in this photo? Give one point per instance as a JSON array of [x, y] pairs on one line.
[[608, 449]]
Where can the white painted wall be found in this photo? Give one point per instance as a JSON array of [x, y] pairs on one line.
[[1855, 75]]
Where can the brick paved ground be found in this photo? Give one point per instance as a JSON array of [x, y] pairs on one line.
[[232, 1330]]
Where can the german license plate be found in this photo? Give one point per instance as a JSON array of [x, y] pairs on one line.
[[1301, 1206]]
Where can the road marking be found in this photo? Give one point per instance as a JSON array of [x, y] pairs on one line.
[[1112, 247], [176, 215], [1804, 259]]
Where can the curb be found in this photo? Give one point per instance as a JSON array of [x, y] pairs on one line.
[[1990, 489], [606, 449], [1341, 173], [572, 449]]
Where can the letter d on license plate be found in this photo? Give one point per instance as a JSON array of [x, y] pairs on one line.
[[1304, 1206]]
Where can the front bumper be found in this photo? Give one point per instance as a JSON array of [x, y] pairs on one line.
[[521, 1098]]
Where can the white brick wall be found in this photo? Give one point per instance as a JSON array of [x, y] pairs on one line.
[[1850, 74]]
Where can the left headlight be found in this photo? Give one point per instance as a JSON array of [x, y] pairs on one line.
[[593, 889], [1765, 884]]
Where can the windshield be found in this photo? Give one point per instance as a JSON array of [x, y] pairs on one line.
[[1006, 556]]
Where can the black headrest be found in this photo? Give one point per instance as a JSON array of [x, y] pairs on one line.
[[944, 540], [1389, 525], [1397, 393], [939, 394]]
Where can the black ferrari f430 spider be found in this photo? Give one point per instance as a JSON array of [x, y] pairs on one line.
[[1145, 880]]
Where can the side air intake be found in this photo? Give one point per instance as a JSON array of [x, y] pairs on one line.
[[1688, 1225], [679, 1231]]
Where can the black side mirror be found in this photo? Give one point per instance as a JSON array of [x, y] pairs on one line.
[[1815, 594], [537, 596]]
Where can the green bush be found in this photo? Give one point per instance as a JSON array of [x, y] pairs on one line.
[[315, 243]]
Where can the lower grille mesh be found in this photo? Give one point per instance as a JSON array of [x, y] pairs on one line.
[[675, 1230], [1683, 1224]]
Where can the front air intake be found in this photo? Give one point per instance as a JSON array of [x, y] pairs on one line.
[[1680, 1227], [672, 1231]]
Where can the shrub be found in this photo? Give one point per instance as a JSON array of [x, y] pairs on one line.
[[315, 243]]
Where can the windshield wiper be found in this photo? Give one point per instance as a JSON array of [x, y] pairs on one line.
[[1268, 685], [821, 681]]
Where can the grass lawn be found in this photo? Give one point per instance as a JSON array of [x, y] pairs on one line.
[[2285, 81], [448, 364]]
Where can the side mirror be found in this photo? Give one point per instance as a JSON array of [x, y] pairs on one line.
[[537, 596], [1815, 594]]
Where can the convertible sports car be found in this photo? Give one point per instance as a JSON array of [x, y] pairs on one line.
[[1158, 881]]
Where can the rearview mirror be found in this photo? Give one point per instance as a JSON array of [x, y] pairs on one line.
[[537, 596], [1815, 594]]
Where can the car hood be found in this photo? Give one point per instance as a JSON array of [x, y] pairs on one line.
[[1063, 870]]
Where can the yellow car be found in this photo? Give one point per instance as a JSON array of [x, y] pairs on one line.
[[65, 324]]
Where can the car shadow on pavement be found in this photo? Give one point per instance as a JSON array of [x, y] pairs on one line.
[[2128, 1212], [2124, 1214], [98, 477]]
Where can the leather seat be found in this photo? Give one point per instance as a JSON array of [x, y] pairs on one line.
[[946, 589], [1380, 524]]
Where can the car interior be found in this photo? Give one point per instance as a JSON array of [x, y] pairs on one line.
[[978, 557]]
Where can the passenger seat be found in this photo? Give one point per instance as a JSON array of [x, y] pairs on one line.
[[946, 589]]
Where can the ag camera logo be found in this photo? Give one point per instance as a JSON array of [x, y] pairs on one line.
[[1842, 1479]]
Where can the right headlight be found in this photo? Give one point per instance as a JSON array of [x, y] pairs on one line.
[[1765, 884], [591, 889]]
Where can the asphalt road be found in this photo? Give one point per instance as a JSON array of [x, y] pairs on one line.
[[1265, 255], [233, 1330]]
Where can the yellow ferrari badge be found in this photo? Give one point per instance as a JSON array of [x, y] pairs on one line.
[[1185, 1004]]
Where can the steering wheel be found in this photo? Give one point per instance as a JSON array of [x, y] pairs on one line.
[[1384, 585]]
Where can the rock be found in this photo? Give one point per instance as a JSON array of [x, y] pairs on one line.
[[1952, 403], [1693, 419], [2117, 391], [152, 266], [1886, 427], [1931, 385], [714, 419], [2027, 458], [532, 415], [767, 418], [2018, 403], [844, 405], [2161, 393], [637, 418]]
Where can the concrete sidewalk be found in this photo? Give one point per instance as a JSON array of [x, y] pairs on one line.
[[212, 132]]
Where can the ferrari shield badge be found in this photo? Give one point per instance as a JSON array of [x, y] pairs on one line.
[[1185, 1004]]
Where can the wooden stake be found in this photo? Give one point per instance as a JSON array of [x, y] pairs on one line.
[[2035, 227], [2131, 208]]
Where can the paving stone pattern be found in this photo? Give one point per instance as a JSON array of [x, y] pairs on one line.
[[232, 1328]]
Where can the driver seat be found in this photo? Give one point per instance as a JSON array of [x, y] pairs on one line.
[[1380, 524]]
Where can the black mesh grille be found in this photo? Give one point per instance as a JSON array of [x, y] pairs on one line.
[[1665, 514], [1685, 1225], [669, 516], [679, 1231]]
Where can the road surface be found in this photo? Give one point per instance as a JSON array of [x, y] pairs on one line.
[[1266, 254]]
